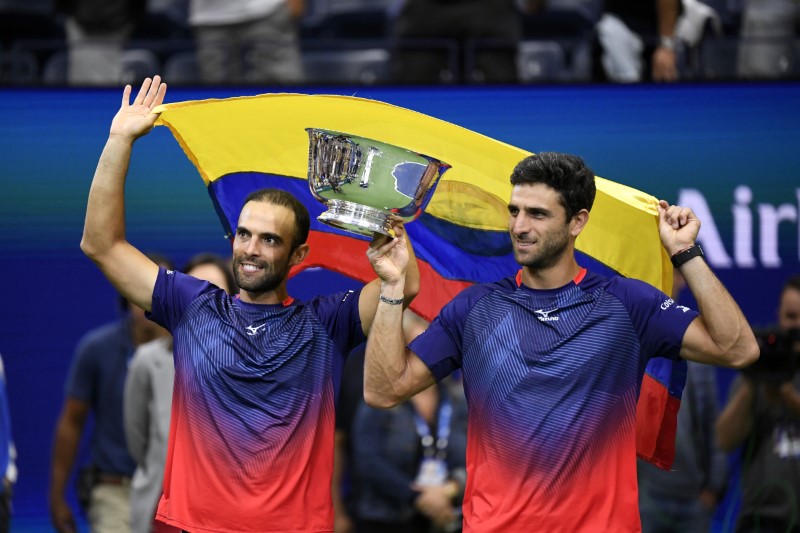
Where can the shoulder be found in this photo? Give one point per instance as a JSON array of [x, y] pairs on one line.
[[103, 336], [473, 293], [631, 290], [325, 302]]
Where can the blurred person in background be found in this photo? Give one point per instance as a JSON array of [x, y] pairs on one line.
[[637, 41], [762, 417], [410, 462], [247, 41], [97, 31], [95, 385], [768, 33], [148, 402]]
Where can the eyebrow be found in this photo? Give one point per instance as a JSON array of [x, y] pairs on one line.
[[267, 234], [532, 210]]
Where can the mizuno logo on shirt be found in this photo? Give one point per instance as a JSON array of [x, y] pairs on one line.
[[544, 316], [255, 330]]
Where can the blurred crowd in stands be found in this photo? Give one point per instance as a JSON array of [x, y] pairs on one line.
[[281, 42]]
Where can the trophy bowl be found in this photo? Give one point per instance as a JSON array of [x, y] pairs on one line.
[[362, 181]]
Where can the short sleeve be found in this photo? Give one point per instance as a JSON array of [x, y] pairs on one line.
[[440, 346], [658, 319], [172, 294], [338, 313]]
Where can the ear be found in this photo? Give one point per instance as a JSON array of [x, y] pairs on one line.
[[578, 222], [299, 254]]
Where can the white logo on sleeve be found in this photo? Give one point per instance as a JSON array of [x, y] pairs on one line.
[[683, 308], [667, 303], [544, 316], [255, 330]]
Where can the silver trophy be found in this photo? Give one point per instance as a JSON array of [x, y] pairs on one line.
[[362, 181]]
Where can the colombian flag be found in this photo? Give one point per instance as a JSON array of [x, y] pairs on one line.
[[242, 144]]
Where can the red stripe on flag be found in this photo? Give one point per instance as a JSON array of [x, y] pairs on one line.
[[656, 423], [348, 256]]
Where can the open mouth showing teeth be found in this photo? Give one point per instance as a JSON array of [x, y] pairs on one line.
[[249, 268]]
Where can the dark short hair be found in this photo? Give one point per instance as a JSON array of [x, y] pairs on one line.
[[565, 173], [280, 197], [792, 283], [207, 258]]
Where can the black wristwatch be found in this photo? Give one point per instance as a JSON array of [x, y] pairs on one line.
[[684, 255]]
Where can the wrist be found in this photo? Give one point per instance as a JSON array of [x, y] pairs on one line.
[[667, 42], [393, 289], [684, 255], [451, 489], [121, 138]]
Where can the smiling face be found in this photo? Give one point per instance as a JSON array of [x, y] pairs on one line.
[[262, 248], [540, 233]]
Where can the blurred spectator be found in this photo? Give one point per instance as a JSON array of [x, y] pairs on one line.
[[411, 462], [769, 28], [148, 403], [421, 27], [8, 455], [763, 416], [95, 385], [684, 499], [351, 396], [252, 41], [97, 31], [637, 40]]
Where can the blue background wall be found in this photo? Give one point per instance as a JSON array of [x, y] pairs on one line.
[[665, 140]]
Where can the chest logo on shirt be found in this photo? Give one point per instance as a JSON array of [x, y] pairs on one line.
[[255, 330], [544, 316]]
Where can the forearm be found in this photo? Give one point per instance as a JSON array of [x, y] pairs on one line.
[[65, 447], [736, 421], [727, 328], [667, 12], [385, 362], [105, 212]]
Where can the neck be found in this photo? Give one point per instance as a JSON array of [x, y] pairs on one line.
[[552, 277], [143, 333], [276, 296]]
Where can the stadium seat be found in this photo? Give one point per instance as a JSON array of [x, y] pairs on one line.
[[359, 67], [138, 64], [181, 68], [718, 58], [540, 61]]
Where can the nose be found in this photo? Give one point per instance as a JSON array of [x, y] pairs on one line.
[[518, 226], [252, 248]]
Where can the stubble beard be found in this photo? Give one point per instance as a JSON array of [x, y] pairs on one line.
[[272, 275], [551, 248]]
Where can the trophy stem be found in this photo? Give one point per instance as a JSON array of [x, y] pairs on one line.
[[356, 218]]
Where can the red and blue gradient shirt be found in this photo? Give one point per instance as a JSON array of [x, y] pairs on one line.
[[552, 379], [251, 431]]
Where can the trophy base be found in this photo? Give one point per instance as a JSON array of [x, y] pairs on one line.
[[356, 218]]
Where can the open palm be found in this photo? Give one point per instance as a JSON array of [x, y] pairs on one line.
[[135, 119]]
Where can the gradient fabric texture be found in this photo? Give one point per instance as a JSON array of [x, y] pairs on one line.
[[251, 432], [552, 379]]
